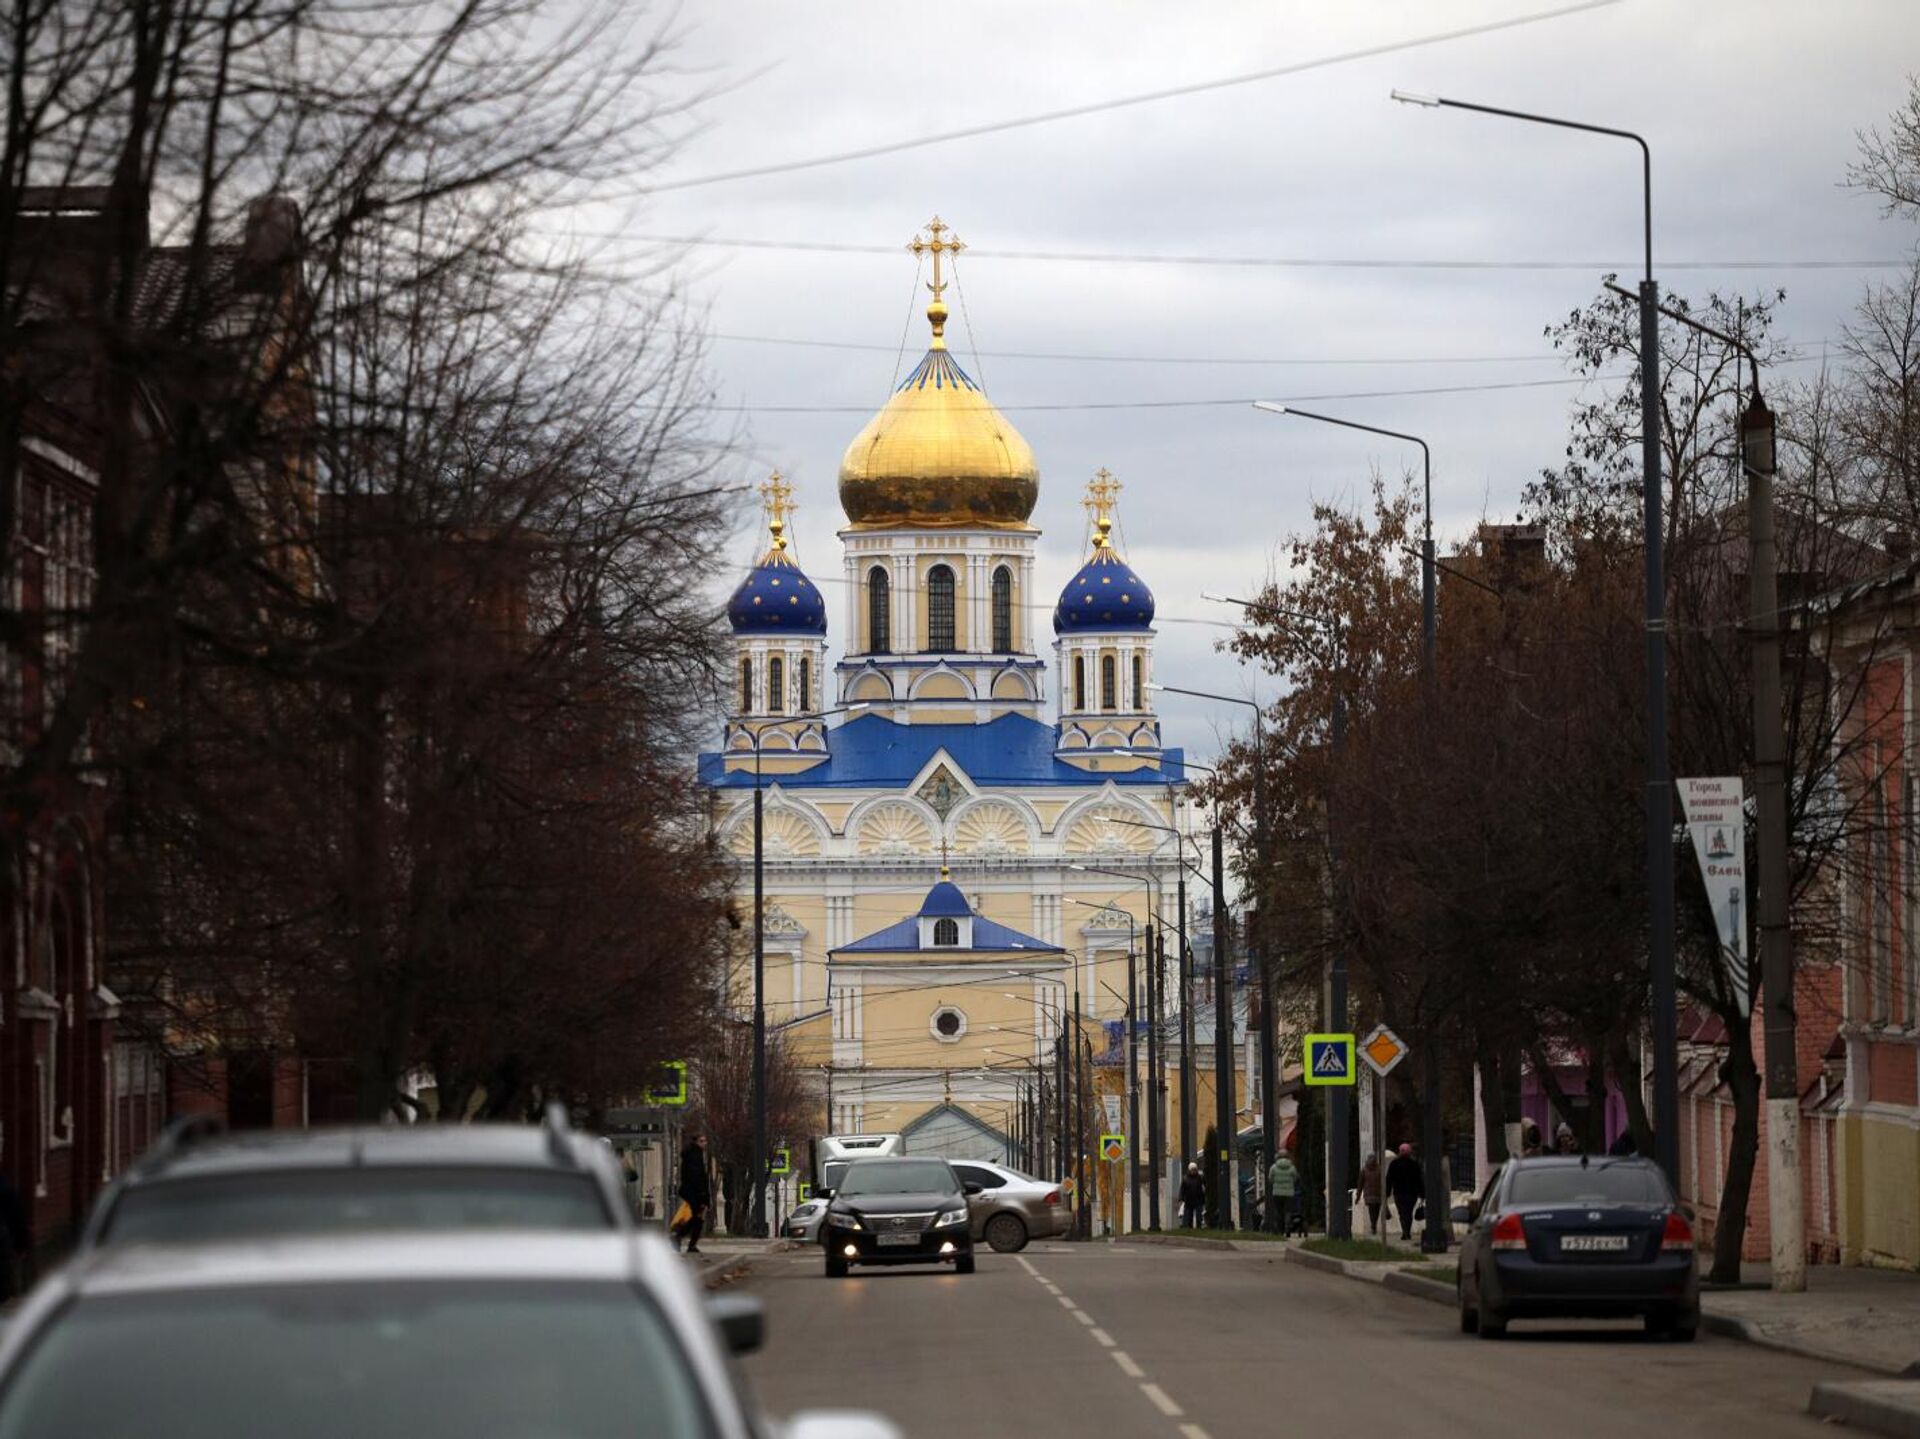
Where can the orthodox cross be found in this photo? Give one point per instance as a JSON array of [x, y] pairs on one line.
[[777, 495], [1102, 490], [937, 247]]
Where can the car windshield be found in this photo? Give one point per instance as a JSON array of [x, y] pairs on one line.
[[377, 1361], [899, 1176], [1590, 1184], [329, 1201], [833, 1171]]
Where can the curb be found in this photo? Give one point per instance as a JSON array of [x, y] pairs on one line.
[[1880, 1406], [1177, 1241], [1436, 1290]]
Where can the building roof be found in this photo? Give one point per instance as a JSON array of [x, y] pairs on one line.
[[1104, 595], [873, 752], [945, 901], [777, 599]]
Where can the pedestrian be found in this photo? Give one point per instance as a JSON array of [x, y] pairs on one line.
[[1283, 1194], [1370, 1191], [696, 1188], [1625, 1144], [1405, 1180], [16, 1240], [1530, 1147], [1193, 1198], [1563, 1140]]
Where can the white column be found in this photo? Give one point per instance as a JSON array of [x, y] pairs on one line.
[[905, 606]]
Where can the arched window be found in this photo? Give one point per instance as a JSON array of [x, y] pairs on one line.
[[1139, 682], [946, 931], [879, 612], [1080, 682], [940, 636], [1107, 699], [1003, 611], [805, 703], [776, 685], [746, 686]]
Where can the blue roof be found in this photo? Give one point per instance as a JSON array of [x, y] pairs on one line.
[[1105, 595], [905, 935], [871, 751], [777, 599], [944, 901]]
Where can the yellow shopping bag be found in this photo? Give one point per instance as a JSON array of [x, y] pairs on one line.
[[681, 1216]]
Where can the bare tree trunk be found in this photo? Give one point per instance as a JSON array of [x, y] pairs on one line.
[[1624, 1060], [1744, 1082]]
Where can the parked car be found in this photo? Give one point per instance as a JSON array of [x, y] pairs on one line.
[[1012, 1208], [197, 1183], [899, 1211], [1578, 1237], [807, 1222], [415, 1336]]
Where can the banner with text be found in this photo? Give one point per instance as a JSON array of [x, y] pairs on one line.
[[1717, 820]]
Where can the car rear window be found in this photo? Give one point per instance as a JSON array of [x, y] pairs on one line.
[[272, 1202], [1591, 1184], [376, 1360], [898, 1176]]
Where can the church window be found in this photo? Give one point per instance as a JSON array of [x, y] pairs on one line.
[[1139, 682], [1107, 697], [940, 628], [776, 685], [947, 1024], [1003, 611], [806, 685], [1079, 682], [879, 625], [946, 932], [746, 686]]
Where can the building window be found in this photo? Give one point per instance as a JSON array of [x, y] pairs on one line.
[[1079, 682], [1107, 698], [1003, 611], [947, 1024], [1140, 682], [879, 612], [940, 631], [746, 686], [946, 932], [776, 685], [805, 703]]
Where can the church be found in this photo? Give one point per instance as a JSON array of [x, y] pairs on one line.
[[966, 821]]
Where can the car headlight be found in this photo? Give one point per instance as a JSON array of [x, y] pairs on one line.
[[842, 1221], [952, 1216]]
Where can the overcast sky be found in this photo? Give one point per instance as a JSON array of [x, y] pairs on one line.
[[1750, 106]]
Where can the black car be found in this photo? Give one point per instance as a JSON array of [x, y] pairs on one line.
[[1578, 1237], [898, 1211]]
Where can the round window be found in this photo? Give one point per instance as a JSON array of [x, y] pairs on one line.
[[948, 1024]]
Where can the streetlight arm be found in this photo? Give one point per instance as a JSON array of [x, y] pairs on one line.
[[1721, 335]]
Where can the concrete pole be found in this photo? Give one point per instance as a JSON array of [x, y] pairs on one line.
[[1785, 1206]]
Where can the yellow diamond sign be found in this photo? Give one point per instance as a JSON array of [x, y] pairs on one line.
[[1382, 1049]]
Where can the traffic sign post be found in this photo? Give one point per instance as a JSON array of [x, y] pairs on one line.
[[1382, 1050], [782, 1161], [671, 1088], [1113, 1147], [1329, 1059]]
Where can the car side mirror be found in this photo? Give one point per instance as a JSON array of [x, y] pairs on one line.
[[840, 1424], [742, 1321], [1461, 1213], [971, 1188]]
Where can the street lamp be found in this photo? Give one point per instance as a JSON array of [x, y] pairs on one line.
[[1666, 1079], [1133, 1069]]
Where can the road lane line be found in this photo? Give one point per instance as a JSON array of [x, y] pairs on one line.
[[1026, 1266], [1084, 1317], [1066, 1303], [1161, 1402], [1127, 1366], [1194, 1431], [1104, 1339]]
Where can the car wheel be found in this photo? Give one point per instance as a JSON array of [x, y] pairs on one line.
[[836, 1265], [1493, 1324], [1469, 1316], [1006, 1233], [963, 1263]]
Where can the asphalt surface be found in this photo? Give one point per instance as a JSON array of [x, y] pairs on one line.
[[1119, 1340]]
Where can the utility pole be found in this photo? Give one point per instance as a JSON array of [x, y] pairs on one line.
[[1083, 1216], [757, 1218], [1184, 964], [1156, 1086], [1339, 1212], [1133, 1086], [1223, 1107]]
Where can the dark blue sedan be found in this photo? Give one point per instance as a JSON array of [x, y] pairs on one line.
[[1579, 1237]]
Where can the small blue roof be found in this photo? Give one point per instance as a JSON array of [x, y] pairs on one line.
[[872, 751], [777, 599], [904, 936], [1105, 595], [944, 901]]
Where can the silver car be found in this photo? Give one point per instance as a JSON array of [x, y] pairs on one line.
[[1012, 1208], [387, 1336]]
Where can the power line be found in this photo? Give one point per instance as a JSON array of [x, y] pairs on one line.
[[1538, 357], [1047, 117], [1279, 262]]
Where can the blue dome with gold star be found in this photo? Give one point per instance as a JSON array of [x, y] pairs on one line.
[[777, 599], [1105, 595]]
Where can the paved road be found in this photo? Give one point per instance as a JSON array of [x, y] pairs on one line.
[[1120, 1340]]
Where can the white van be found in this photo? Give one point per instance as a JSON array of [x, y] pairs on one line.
[[831, 1156]]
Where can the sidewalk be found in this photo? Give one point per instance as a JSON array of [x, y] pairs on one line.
[[720, 1261]]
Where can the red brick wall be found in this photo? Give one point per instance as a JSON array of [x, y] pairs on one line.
[[1890, 1073]]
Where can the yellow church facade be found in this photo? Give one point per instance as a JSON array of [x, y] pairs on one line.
[[968, 822]]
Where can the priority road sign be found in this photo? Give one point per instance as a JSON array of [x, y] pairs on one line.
[[1329, 1059], [1382, 1050], [1113, 1146]]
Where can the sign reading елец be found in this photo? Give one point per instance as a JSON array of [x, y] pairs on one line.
[[1717, 819]]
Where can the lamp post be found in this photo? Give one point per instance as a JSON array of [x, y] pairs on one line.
[[1659, 797], [1185, 965], [757, 1217], [1133, 1070]]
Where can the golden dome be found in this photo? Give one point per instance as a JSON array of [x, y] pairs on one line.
[[939, 453]]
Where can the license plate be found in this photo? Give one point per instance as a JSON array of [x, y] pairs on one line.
[[1592, 1243], [890, 1241]]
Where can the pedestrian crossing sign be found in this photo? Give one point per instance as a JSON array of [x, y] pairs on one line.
[[782, 1162], [1329, 1059]]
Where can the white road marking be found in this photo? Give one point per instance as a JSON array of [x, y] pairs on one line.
[[1103, 1338], [1026, 1266], [1127, 1366], [1084, 1317], [1066, 1303], [1161, 1402], [1053, 1289], [1193, 1431]]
